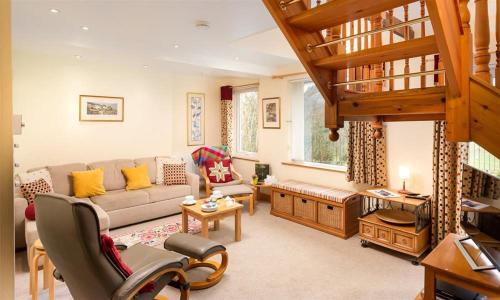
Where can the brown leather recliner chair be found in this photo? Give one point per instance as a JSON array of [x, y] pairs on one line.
[[69, 231]]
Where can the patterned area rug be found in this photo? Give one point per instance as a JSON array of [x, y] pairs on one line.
[[156, 235]]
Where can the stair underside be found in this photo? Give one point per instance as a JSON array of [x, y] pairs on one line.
[[338, 12], [425, 101], [402, 50]]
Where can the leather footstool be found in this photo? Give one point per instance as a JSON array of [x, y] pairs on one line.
[[199, 250]]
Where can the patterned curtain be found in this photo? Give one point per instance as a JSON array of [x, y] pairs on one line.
[[366, 162], [227, 116], [447, 184]]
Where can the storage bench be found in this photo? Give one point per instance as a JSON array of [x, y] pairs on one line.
[[330, 210]]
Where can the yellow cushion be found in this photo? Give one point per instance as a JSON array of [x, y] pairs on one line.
[[137, 178], [88, 183]]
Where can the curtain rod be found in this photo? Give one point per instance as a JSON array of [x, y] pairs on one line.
[[245, 85]]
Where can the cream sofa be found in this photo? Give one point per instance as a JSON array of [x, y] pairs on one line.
[[117, 207]]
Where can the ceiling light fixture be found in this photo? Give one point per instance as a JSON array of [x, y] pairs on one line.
[[85, 28], [145, 66], [236, 58], [202, 25], [176, 46], [54, 10], [78, 57]]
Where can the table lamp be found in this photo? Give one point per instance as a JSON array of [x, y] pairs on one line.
[[404, 174]]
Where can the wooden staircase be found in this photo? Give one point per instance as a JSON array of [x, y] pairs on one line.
[[354, 52]]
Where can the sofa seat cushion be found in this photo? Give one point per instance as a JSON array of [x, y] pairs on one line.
[[113, 177], [231, 190], [119, 199], [160, 192], [62, 182]]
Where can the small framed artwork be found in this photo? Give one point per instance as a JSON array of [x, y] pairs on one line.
[[195, 119], [271, 113], [101, 108]]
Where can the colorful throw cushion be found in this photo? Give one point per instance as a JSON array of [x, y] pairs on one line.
[[219, 171], [29, 190], [175, 173], [109, 249], [137, 178], [29, 212], [88, 183]]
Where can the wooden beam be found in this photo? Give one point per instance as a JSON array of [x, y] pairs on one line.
[[390, 52], [406, 118], [6, 163], [485, 109], [446, 23], [338, 12], [404, 102]]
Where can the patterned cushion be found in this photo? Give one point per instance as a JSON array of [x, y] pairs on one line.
[[36, 175], [219, 171], [175, 173], [160, 171], [315, 190], [30, 190]]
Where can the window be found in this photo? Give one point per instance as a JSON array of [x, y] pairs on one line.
[[310, 142], [247, 107], [483, 160]]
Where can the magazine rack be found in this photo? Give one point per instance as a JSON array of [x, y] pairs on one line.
[[408, 239]]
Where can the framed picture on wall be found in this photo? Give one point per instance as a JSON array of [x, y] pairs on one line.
[[101, 108], [271, 113], [195, 119]]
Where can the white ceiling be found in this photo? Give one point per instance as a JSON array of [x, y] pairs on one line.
[[242, 39]]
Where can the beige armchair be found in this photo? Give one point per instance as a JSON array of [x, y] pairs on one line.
[[236, 188]]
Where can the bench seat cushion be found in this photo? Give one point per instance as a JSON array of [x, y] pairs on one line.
[[160, 192], [318, 191], [120, 199], [231, 190], [192, 245]]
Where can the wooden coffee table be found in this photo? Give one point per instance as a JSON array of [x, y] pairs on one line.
[[205, 217]]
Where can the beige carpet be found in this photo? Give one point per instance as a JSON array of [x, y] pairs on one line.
[[278, 259]]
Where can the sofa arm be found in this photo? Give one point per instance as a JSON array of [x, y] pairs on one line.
[[20, 205], [194, 181]]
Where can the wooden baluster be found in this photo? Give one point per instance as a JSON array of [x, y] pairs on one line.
[[497, 69], [359, 70], [482, 40], [391, 41], [343, 45], [422, 30], [377, 42], [406, 37], [366, 68], [352, 71]]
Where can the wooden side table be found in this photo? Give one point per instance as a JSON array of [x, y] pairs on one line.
[[206, 217], [258, 190], [37, 251], [447, 264]]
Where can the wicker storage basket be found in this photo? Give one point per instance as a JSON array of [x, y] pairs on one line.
[[283, 203], [304, 208], [330, 215]]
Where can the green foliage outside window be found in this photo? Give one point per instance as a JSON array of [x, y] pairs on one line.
[[248, 119], [317, 146]]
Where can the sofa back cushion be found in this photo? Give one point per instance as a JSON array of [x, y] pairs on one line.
[[113, 177], [151, 163], [62, 181]]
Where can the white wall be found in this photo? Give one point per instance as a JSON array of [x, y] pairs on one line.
[[408, 143], [46, 94]]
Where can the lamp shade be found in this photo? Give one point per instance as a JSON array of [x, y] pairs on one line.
[[404, 172]]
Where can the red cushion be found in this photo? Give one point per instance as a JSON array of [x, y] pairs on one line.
[[109, 249], [219, 171], [29, 212]]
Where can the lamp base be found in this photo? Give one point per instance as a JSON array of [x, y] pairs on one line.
[[404, 192]]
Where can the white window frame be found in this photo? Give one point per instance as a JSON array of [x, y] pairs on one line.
[[296, 139], [236, 132]]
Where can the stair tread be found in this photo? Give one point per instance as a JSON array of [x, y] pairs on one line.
[[401, 50], [396, 94], [337, 12]]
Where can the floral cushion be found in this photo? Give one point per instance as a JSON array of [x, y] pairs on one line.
[[219, 171]]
